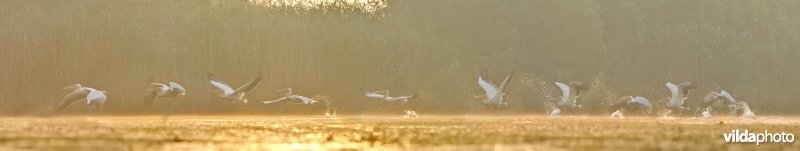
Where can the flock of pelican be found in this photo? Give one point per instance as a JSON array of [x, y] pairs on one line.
[[567, 103]]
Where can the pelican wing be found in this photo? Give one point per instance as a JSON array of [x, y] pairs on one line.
[[672, 88], [728, 97], [488, 87], [155, 90], [505, 84], [685, 86], [619, 103], [564, 90], [710, 98], [273, 101], [72, 87], [95, 96], [372, 94], [71, 98], [252, 84], [177, 87], [226, 89], [643, 101]]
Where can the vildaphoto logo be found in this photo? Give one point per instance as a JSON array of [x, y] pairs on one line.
[[747, 137]]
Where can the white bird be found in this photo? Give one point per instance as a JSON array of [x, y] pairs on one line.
[[330, 111], [629, 104], [226, 92], [723, 100], [493, 95], [679, 94], [288, 96], [403, 101], [173, 90], [568, 101], [94, 98]]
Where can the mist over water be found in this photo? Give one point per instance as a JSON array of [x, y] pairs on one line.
[[433, 48]]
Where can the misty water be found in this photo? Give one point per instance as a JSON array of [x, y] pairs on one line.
[[432, 48]]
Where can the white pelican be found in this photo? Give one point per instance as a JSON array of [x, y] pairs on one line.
[[173, 90], [330, 111], [679, 94], [630, 104], [723, 101], [226, 92], [493, 95], [288, 96], [94, 98], [403, 101], [568, 101], [714, 101]]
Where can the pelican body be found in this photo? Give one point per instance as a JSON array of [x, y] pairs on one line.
[[403, 101], [226, 92], [493, 95], [679, 94], [93, 97], [169, 90], [630, 104], [570, 93]]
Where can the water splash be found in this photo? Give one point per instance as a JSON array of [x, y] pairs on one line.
[[361, 6]]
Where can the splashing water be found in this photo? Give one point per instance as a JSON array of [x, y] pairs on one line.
[[365, 6]]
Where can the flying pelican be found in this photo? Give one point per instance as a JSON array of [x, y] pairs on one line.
[[723, 101], [401, 100], [493, 95], [94, 98], [173, 90], [330, 111], [630, 104], [568, 101], [679, 94], [225, 91]]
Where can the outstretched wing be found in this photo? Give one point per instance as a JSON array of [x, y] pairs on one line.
[[252, 84], [676, 98], [728, 97], [372, 94], [685, 87], [643, 101], [619, 103], [505, 84], [710, 98], [564, 90], [273, 101], [153, 91], [71, 98], [488, 87], [226, 89]]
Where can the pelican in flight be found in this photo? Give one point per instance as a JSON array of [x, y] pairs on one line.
[[722, 101], [170, 90], [226, 92], [679, 94], [403, 101], [568, 101], [94, 98], [493, 95], [630, 104], [330, 111], [288, 96]]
